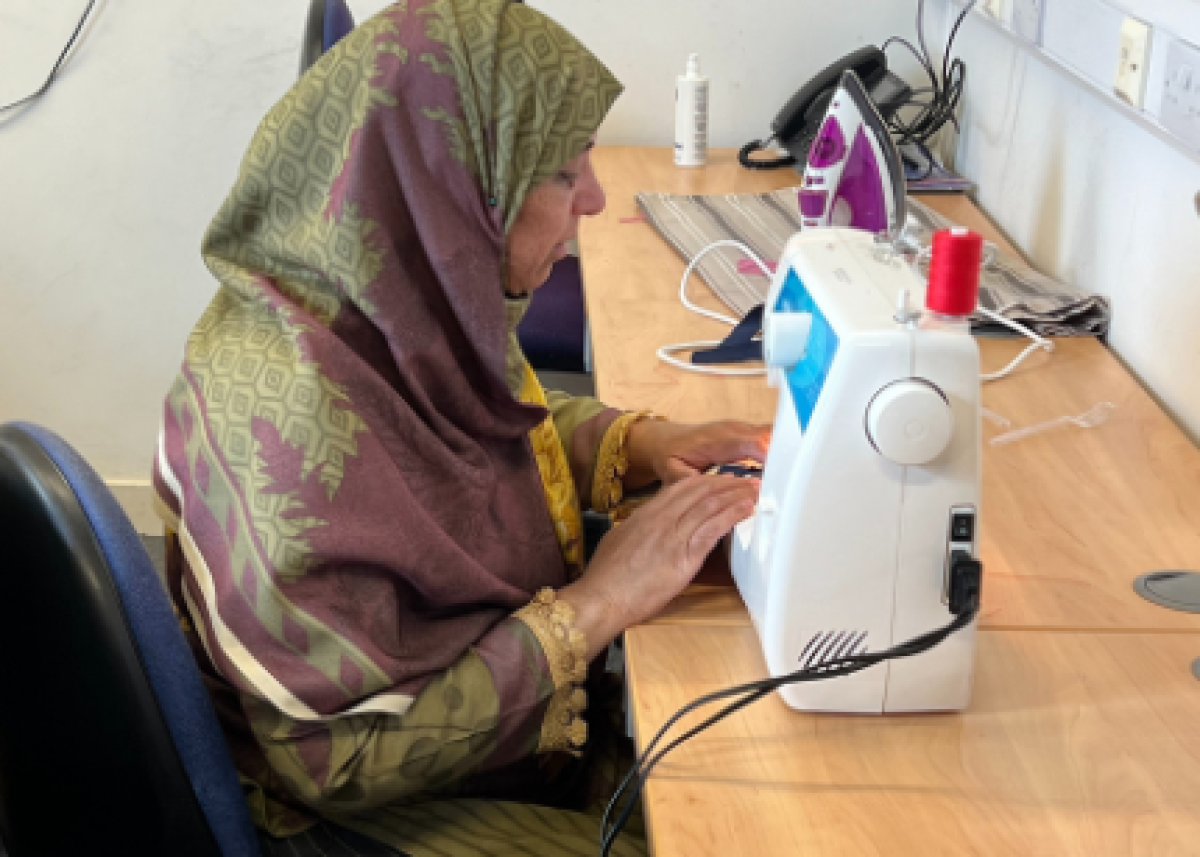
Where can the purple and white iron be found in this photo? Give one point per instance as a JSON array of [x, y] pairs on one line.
[[854, 176]]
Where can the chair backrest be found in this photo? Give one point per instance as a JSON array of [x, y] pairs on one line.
[[108, 740], [328, 21]]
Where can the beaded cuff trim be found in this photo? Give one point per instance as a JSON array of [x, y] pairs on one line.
[[612, 462], [552, 622], [563, 727]]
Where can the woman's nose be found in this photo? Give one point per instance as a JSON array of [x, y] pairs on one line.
[[589, 195]]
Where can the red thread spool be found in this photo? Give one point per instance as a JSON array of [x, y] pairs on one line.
[[954, 272]]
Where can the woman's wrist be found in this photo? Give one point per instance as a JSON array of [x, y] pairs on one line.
[[610, 479], [598, 618], [647, 438]]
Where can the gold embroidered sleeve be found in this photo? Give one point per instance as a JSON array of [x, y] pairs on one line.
[[552, 622], [612, 462]]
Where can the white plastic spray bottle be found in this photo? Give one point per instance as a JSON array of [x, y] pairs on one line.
[[691, 116]]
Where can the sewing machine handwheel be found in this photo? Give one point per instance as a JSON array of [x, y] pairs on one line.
[[909, 422]]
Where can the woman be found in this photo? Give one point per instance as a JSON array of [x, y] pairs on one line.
[[381, 560]]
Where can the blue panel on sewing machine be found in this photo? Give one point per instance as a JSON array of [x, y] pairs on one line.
[[808, 376]]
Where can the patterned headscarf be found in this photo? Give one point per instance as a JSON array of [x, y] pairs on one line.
[[356, 495]]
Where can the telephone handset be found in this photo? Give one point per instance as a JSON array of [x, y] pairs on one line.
[[798, 122]]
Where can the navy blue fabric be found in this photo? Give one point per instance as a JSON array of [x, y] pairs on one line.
[[740, 346], [553, 332], [338, 22], [168, 661]]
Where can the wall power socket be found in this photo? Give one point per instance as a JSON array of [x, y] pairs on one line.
[[1133, 60], [1001, 10], [1180, 109]]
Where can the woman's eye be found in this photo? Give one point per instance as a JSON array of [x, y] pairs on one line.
[[568, 179]]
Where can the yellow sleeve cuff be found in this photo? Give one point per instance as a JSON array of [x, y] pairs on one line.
[[612, 462], [552, 622]]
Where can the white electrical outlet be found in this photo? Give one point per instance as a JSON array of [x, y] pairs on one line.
[[1180, 108], [1001, 10], [1027, 19], [1133, 58]]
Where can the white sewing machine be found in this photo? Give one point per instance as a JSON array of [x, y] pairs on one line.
[[872, 480]]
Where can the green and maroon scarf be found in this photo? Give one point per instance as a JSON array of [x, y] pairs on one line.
[[348, 470]]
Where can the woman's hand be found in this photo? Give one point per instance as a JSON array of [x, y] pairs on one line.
[[669, 452], [647, 560]]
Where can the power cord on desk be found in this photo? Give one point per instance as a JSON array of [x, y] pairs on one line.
[[58, 64], [965, 586], [665, 353], [1039, 342]]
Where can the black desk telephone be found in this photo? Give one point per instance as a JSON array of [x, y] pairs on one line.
[[798, 122]]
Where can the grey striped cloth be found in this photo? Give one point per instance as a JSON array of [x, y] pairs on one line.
[[764, 222]]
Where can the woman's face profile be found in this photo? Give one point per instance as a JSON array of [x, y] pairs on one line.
[[548, 219]]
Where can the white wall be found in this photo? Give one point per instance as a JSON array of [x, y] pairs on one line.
[[108, 182], [106, 186], [756, 55], [1093, 198]]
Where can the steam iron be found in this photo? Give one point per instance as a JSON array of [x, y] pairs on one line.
[[854, 177]]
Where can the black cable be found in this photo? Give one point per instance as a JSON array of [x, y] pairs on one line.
[[946, 92], [757, 146], [751, 693], [928, 156], [954, 32], [62, 56], [924, 62], [921, 42]]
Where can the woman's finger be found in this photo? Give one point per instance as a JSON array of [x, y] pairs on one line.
[[676, 469], [742, 441], [716, 505], [710, 532]]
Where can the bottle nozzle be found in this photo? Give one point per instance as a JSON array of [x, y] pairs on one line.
[[693, 65]]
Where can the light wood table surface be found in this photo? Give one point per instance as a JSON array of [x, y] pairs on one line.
[[1083, 736], [1074, 744], [1069, 518]]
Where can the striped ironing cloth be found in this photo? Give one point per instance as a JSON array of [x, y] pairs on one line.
[[764, 222]]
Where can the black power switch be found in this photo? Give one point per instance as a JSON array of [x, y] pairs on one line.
[[962, 527]]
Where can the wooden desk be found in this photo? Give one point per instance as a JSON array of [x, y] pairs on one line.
[[1068, 518], [1074, 744], [1083, 736]]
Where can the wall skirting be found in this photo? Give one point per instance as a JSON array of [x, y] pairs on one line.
[[137, 499]]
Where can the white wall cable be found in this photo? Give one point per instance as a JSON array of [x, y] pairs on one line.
[[695, 232], [1038, 342], [665, 352]]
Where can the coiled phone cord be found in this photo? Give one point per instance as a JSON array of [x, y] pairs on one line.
[[763, 164]]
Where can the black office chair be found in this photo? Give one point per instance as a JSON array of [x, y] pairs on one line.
[[109, 744], [108, 741]]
